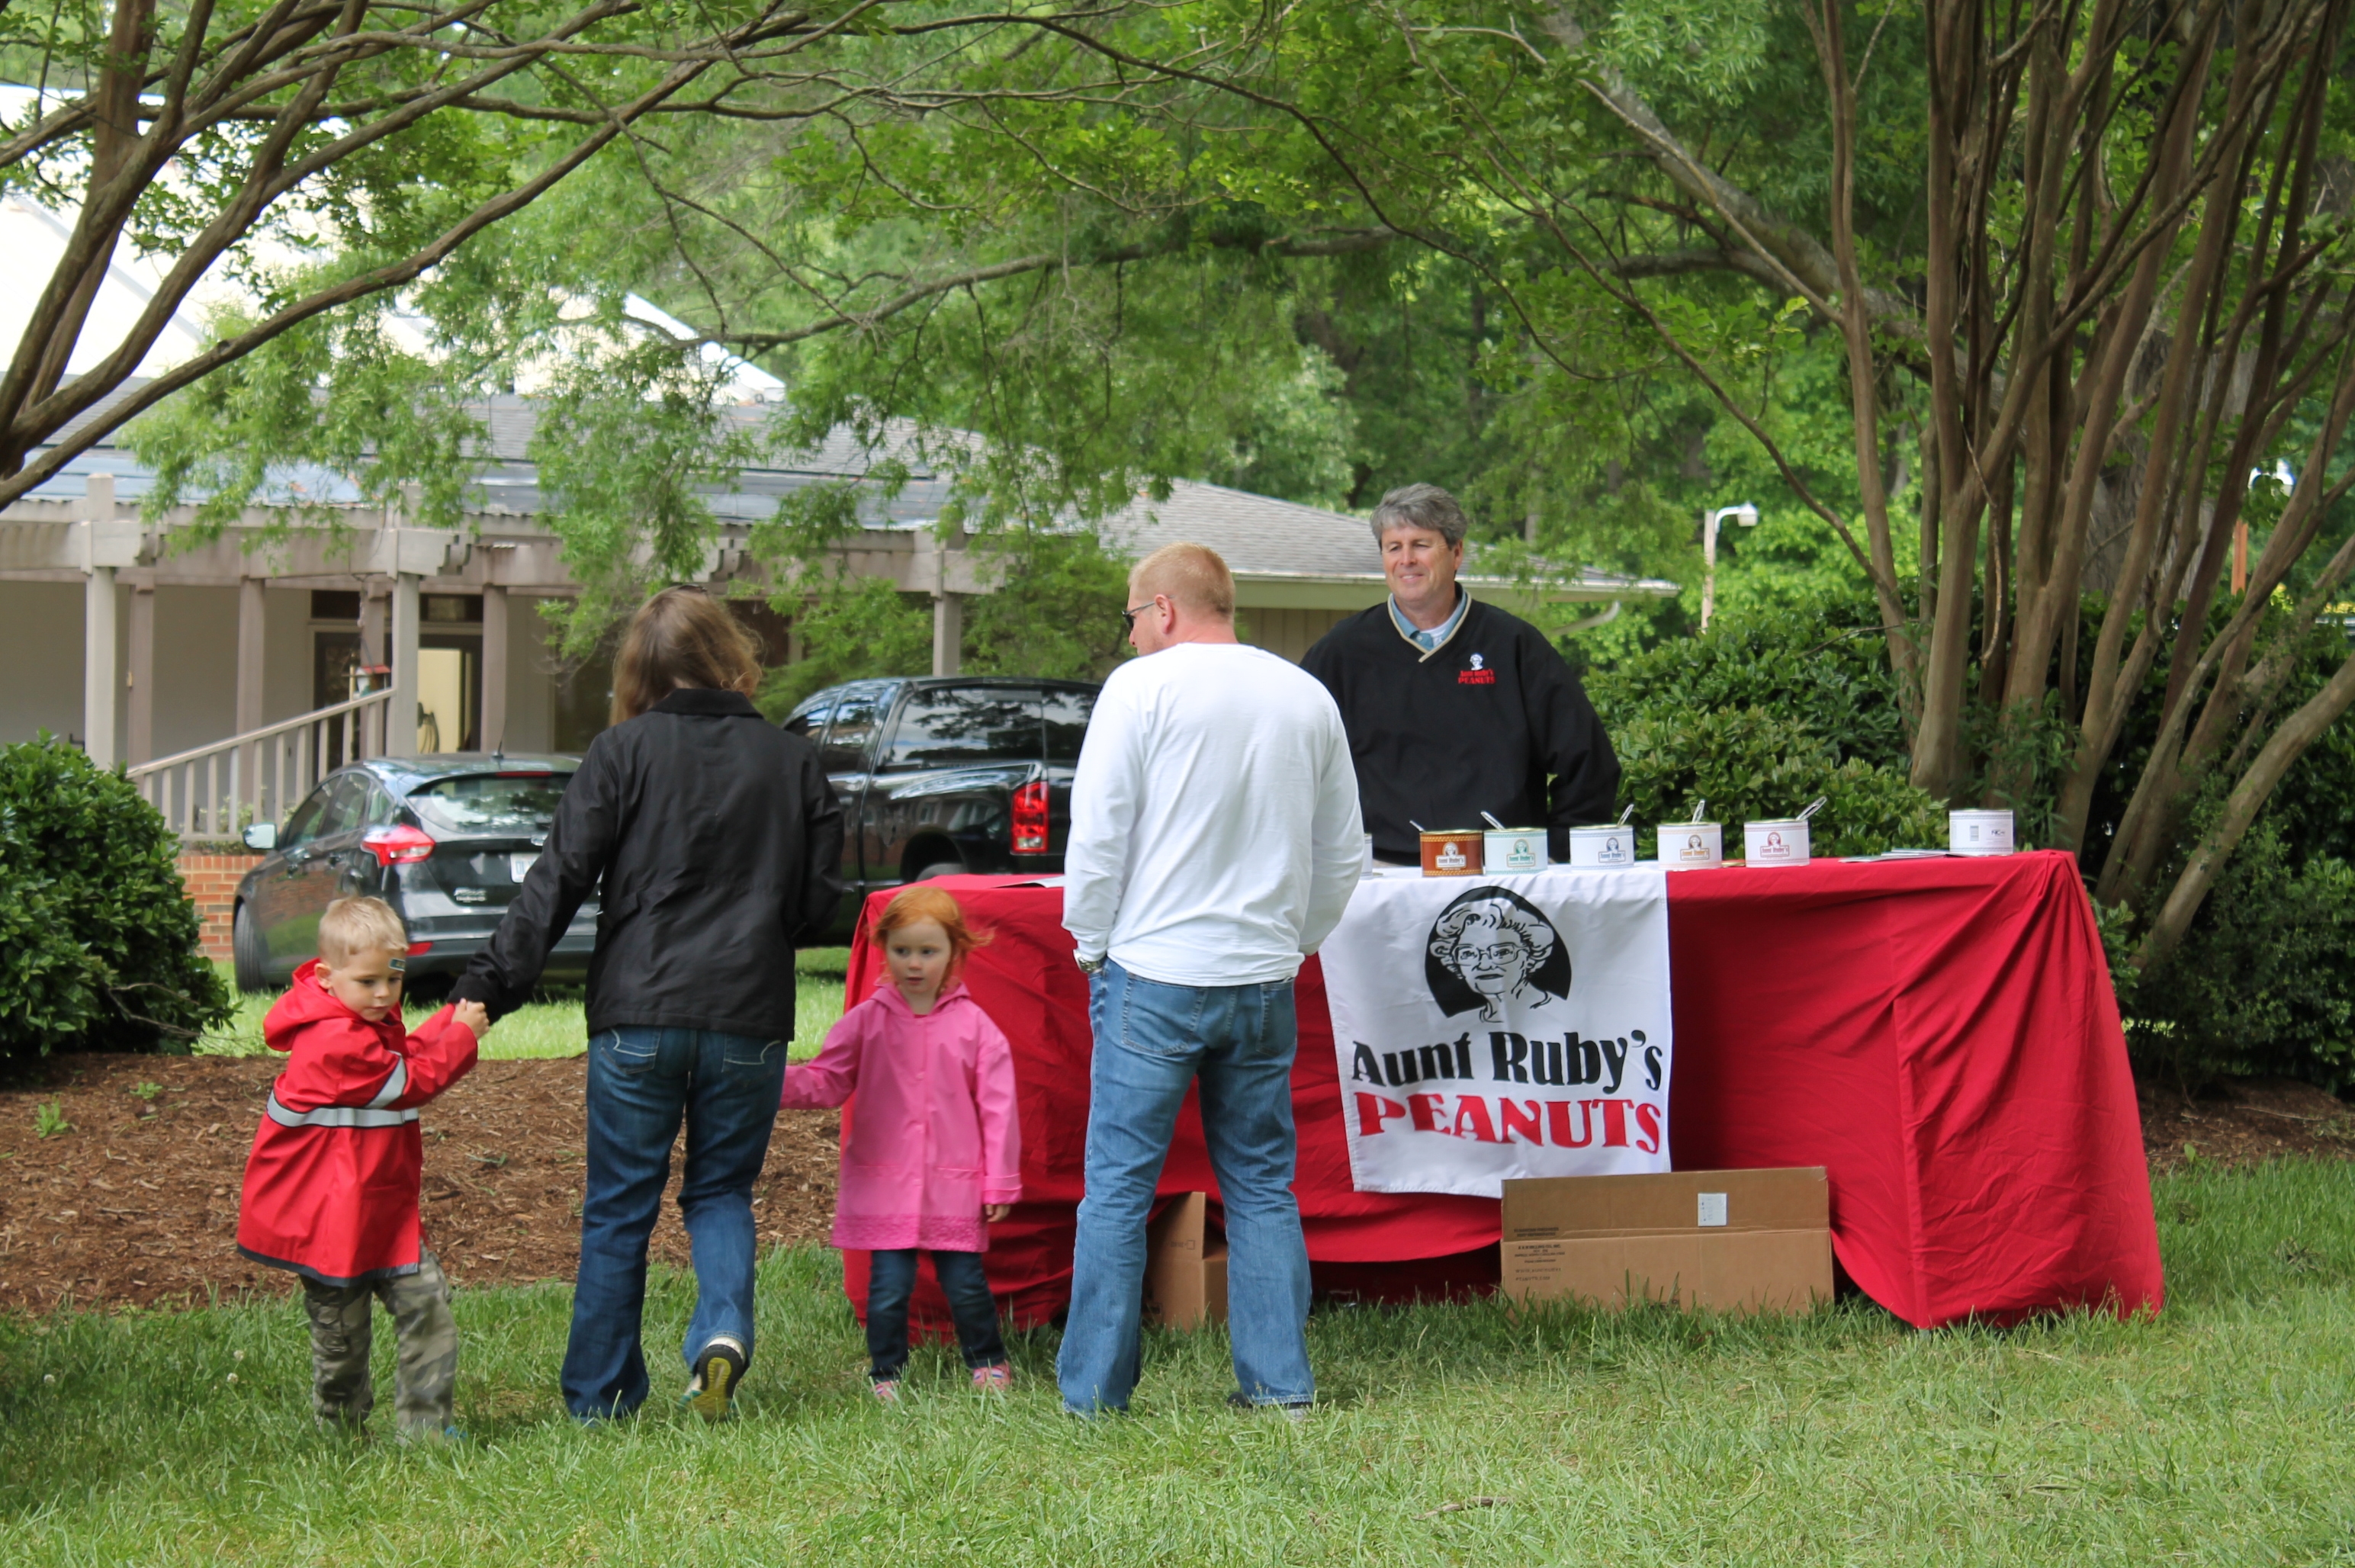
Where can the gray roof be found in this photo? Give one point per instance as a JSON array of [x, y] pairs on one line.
[[1259, 535]]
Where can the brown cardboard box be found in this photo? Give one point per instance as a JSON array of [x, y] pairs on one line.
[[1735, 1240], [1185, 1266]]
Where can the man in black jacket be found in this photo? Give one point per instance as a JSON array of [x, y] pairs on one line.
[[1454, 707], [715, 841]]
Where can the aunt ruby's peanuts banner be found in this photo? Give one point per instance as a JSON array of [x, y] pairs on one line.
[[1512, 1026]]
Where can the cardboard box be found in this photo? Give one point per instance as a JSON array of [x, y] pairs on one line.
[[1733, 1240], [1185, 1266]]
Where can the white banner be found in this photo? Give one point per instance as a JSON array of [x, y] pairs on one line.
[[1491, 1028]]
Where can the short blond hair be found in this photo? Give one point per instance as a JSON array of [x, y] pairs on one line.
[[1190, 576], [354, 926]]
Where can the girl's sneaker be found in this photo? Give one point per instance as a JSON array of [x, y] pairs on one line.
[[993, 1379], [886, 1391]]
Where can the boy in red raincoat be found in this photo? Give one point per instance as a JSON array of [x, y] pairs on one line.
[[331, 1188]]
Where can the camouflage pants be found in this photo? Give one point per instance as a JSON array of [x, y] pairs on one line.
[[342, 1330]]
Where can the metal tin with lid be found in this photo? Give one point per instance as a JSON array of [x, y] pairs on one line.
[[1692, 844], [1605, 846], [1980, 833], [1514, 849], [1781, 841], [1453, 854]]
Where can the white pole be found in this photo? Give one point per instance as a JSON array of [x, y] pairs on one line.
[[401, 717]]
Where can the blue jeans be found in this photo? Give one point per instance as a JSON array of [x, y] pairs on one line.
[[642, 1081], [892, 1279], [1151, 1042]]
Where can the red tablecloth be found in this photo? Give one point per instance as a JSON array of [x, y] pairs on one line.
[[1940, 1034]]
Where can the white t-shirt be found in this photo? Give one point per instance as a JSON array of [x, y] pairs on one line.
[[1215, 838]]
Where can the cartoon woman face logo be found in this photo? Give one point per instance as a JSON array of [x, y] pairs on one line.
[[1493, 950]]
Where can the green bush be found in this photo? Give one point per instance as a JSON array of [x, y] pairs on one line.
[[1762, 715], [98, 940]]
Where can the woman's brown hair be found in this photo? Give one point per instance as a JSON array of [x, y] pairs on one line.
[[681, 636]]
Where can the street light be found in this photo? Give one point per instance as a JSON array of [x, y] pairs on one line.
[[1747, 515]]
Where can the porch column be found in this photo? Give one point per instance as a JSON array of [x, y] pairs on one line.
[[250, 604], [948, 632], [494, 668], [401, 735], [101, 682], [375, 734], [142, 680]]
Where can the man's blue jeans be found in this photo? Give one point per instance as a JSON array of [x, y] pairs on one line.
[[1151, 1042], [642, 1084]]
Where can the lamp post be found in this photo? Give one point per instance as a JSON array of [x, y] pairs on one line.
[[1747, 515]]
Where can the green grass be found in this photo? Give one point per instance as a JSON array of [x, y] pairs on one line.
[[554, 1025], [2217, 1433]]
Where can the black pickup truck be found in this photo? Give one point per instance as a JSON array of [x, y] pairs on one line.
[[947, 774]]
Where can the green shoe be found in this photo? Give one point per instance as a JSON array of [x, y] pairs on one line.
[[712, 1393]]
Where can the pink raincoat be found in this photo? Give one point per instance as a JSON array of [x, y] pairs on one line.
[[934, 1136]]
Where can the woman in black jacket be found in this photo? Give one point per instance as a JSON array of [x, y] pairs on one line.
[[718, 842]]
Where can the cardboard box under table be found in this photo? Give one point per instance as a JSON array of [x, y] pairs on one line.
[[1734, 1241], [1185, 1266]]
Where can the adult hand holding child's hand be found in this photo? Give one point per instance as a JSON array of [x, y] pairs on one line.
[[474, 1016]]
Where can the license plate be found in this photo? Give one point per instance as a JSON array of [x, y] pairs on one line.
[[520, 865]]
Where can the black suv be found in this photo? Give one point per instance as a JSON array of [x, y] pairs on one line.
[[947, 774], [445, 840]]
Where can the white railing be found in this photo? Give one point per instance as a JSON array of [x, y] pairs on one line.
[[209, 794]]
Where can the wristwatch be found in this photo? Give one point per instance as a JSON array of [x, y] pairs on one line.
[[1088, 965]]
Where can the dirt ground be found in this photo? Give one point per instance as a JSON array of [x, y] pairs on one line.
[[136, 1205]]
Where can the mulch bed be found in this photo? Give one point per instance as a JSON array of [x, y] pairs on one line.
[[136, 1206]]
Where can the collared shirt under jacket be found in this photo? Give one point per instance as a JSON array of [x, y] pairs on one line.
[[331, 1185], [1495, 720], [717, 841], [935, 1133]]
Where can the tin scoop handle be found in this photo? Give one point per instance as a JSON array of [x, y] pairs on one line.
[[1699, 806], [1494, 823], [1624, 815], [1418, 827], [1813, 806]]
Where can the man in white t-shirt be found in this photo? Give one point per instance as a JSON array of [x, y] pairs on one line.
[[1214, 844]]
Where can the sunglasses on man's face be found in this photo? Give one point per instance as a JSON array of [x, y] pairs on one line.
[[1128, 617]]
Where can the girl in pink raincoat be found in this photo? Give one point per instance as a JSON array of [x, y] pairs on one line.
[[935, 1149]]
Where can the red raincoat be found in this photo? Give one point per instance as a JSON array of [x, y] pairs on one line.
[[331, 1185]]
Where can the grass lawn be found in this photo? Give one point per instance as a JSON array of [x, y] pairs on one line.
[[2219, 1433], [554, 1026]]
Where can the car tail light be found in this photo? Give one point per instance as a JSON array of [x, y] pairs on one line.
[[398, 845], [416, 947], [1030, 818]]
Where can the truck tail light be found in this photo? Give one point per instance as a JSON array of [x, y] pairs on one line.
[[400, 846], [1030, 818]]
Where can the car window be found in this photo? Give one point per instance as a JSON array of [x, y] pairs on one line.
[[305, 823], [382, 811], [852, 733], [809, 719], [491, 803], [346, 804], [952, 727], [1067, 724]]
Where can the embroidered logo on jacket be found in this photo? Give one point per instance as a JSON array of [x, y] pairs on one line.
[[1478, 675]]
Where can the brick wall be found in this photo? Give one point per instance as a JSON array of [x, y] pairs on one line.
[[211, 880]]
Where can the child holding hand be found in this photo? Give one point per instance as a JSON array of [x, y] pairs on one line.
[[331, 1188], [935, 1148]]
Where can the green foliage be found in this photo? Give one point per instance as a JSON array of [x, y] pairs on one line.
[[98, 940], [49, 1120], [1760, 716]]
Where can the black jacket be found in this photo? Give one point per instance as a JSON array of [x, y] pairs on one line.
[[1483, 724], [719, 842]]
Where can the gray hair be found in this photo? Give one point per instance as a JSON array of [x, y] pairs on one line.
[[1420, 506], [1535, 935]]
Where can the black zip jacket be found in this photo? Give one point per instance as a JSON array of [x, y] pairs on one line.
[[719, 842], [1493, 721]]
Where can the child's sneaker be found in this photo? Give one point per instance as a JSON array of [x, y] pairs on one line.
[[717, 1372], [886, 1389], [993, 1379]]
